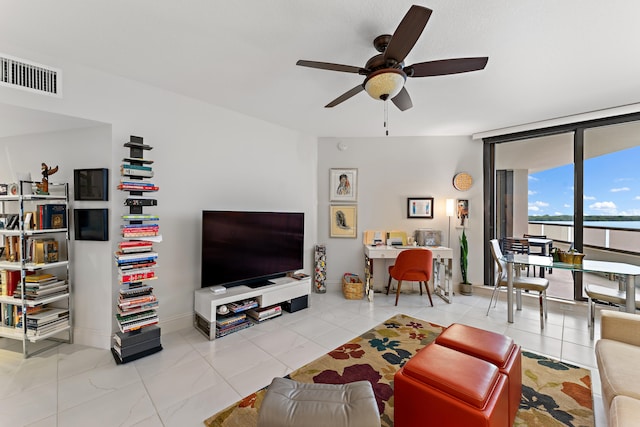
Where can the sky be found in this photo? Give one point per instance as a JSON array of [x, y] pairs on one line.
[[611, 186]]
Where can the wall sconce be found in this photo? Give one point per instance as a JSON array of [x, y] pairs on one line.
[[450, 211]]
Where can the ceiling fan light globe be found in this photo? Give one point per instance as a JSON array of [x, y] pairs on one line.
[[384, 84]]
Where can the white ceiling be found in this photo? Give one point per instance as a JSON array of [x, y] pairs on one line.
[[547, 58]]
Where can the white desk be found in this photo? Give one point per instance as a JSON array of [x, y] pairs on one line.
[[442, 287]]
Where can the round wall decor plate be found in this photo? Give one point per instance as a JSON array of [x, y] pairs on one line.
[[462, 181]]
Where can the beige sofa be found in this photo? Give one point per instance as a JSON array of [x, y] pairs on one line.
[[618, 356]]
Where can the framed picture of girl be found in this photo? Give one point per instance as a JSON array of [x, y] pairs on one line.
[[343, 184]]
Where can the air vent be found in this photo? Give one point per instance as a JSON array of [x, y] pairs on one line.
[[21, 74]]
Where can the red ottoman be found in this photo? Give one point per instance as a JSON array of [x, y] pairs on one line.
[[444, 387], [495, 348]]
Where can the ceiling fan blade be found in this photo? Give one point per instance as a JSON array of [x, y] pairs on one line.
[[333, 67], [402, 100], [446, 66], [348, 94], [407, 33]]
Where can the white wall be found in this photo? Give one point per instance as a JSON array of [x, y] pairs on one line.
[[205, 157], [390, 170]]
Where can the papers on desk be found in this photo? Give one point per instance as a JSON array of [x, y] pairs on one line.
[[374, 237]]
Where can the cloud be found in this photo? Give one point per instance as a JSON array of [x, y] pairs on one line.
[[531, 192], [533, 178], [634, 212], [637, 198], [539, 204], [566, 205], [585, 197], [558, 213], [534, 208], [604, 207], [617, 190]]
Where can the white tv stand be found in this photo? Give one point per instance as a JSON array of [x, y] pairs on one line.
[[206, 302]]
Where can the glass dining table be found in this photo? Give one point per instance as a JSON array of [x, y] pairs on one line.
[[628, 271]]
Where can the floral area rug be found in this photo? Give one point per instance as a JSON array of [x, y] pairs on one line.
[[553, 393]]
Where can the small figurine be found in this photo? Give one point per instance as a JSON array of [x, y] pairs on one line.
[[43, 188]]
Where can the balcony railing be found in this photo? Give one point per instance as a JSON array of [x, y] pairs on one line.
[[602, 243]]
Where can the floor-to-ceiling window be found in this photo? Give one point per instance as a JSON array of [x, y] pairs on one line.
[[557, 176]]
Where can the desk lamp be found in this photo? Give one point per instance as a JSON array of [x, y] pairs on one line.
[[450, 206]]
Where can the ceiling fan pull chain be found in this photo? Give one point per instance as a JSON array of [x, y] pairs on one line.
[[386, 117]]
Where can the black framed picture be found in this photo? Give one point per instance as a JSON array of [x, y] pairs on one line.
[[91, 184], [420, 207], [91, 224]]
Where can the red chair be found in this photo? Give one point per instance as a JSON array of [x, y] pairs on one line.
[[414, 265]]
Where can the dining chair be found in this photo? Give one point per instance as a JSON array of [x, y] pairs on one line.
[[414, 265], [516, 245], [536, 250], [611, 296], [520, 283]]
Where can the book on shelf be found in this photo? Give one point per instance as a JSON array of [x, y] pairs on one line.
[[135, 301], [134, 326], [140, 217], [136, 167], [234, 328], [137, 276], [138, 308], [136, 172], [10, 280], [52, 215], [39, 278], [238, 307], [48, 313], [230, 319], [128, 244], [263, 313], [134, 187], [135, 265], [135, 290], [122, 258]]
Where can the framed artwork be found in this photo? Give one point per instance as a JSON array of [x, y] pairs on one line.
[[462, 213], [91, 184], [420, 207], [343, 185], [343, 221]]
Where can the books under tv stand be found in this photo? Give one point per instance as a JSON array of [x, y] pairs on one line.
[[137, 318], [207, 302]]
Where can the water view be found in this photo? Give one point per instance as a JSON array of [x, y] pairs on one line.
[[611, 192]]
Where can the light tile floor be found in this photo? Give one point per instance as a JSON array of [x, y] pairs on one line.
[[193, 378]]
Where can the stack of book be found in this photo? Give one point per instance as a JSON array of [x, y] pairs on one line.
[[40, 286], [137, 315], [139, 230], [241, 306], [128, 169], [230, 323], [138, 185], [263, 313], [46, 321], [136, 308]]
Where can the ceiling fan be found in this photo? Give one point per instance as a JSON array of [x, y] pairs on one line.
[[386, 73]]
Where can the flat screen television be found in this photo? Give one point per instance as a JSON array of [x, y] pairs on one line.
[[249, 248]]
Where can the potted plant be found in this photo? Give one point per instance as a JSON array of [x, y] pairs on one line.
[[465, 286]]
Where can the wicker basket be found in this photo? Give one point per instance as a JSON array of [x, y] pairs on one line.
[[352, 290]]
